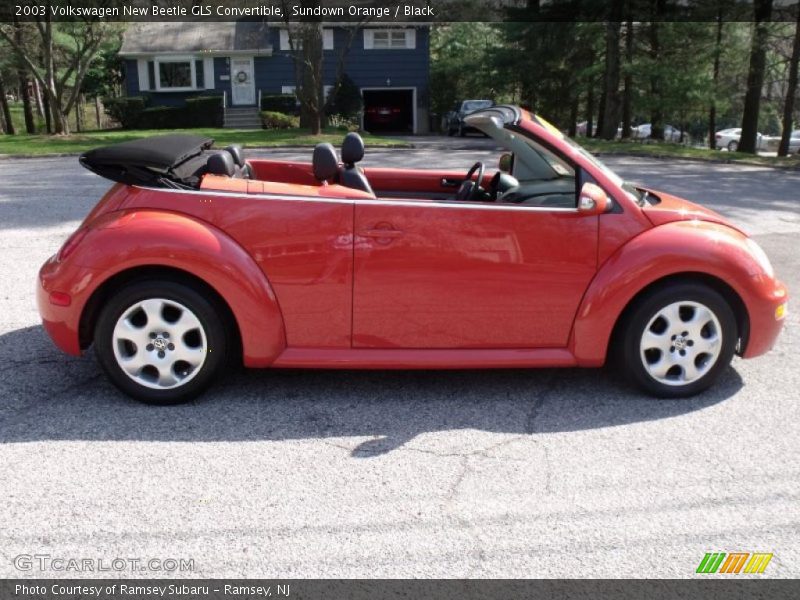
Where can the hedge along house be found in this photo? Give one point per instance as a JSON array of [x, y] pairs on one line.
[[245, 60]]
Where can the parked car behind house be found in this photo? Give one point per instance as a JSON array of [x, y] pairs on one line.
[[454, 120]]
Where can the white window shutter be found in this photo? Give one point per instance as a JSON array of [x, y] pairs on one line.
[[368, 37], [327, 39], [144, 75], [285, 39], [411, 38], [208, 72]]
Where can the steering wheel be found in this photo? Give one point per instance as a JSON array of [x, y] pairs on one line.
[[494, 187], [469, 189]]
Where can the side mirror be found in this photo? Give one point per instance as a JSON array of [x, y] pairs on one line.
[[593, 200], [505, 162]]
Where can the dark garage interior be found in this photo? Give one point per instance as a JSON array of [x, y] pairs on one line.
[[389, 111]]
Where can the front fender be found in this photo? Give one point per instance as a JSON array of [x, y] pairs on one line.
[[696, 247], [125, 240]]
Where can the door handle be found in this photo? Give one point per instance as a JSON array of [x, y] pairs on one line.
[[381, 233], [450, 182]]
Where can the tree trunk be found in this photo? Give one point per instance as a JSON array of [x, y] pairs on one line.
[[656, 114], [48, 118], [590, 110], [97, 111], [610, 120], [79, 114], [762, 12], [791, 91], [712, 110], [573, 116], [6, 110], [600, 111], [24, 92], [627, 117], [37, 96]]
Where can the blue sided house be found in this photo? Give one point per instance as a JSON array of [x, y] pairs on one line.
[[243, 60]]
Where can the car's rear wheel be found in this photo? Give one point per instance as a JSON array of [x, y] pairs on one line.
[[161, 342], [677, 340], [733, 146]]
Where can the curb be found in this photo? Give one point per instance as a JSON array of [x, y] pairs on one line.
[[719, 161]]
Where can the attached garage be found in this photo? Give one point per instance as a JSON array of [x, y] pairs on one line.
[[390, 110]]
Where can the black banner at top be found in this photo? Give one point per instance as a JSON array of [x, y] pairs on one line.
[[392, 11]]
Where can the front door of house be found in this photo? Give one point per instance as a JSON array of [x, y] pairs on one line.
[[243, 85]]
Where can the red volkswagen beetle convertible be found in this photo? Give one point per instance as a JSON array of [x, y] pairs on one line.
[[197, 258]]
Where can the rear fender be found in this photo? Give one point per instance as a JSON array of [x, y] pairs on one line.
[[685, 247], [121, 241]]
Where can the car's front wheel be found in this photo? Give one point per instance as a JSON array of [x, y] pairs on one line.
[[733, 146], [161, 342], [677, 340]]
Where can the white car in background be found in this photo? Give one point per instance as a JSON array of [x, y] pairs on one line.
[[671, 134], [729, 138]]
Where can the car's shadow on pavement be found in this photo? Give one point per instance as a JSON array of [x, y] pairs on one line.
[[45, 395]]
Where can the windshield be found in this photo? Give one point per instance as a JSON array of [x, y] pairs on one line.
[[633, 192], [472, 105]]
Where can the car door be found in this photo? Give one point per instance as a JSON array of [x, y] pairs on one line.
[[432, 274]]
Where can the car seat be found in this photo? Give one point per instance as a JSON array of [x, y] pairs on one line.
[[349, 174]]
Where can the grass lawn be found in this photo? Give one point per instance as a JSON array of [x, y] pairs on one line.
[[668, 150], [80, 142]]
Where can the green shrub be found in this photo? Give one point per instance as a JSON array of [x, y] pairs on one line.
[[164, 117], [204, 111], [346, 100], [282, 103], [126, 111], [278, 120]]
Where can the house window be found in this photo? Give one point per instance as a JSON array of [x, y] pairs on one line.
[[389, 39], [175, 74], [200, 76], [292, 90], [327, 40]]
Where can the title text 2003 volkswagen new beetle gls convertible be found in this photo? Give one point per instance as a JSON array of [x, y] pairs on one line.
[[197, 257]]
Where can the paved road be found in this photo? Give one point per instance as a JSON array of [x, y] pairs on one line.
[[338, 474]]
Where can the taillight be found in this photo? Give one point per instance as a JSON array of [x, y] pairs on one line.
[[72, 243]]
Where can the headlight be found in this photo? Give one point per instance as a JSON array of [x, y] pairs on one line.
[[761, 257]]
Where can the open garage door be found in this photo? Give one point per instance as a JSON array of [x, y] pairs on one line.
[[389, 110]]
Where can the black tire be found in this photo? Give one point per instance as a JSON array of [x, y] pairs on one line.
[[733, 146], [215, 351], [630, 357]]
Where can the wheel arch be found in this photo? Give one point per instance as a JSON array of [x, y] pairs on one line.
[[92, 308], [704, 252], [155, 243], [715, 283]]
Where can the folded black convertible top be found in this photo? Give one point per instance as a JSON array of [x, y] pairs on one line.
[[148, 161]]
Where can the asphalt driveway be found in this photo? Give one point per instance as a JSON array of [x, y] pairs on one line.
[[550, 473]]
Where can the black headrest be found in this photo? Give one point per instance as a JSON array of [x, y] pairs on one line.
[[221, 163], [352, 148], [237, 154], [325, 162]]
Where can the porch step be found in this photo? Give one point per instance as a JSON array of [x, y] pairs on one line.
[[247, 117]]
